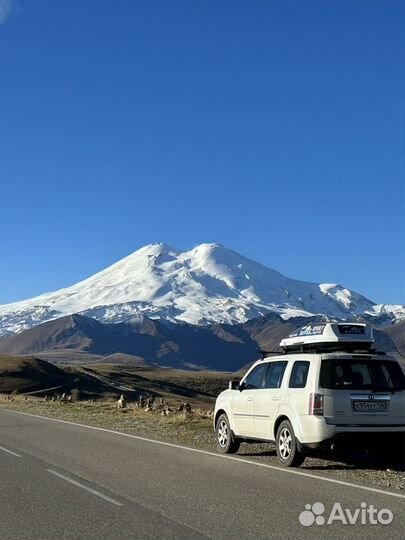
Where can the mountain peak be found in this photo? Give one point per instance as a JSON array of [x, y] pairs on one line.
[[210, 246], [160, 247], [154, 249], [209, 283]]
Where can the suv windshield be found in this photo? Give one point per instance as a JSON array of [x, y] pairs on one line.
[[376, 375]]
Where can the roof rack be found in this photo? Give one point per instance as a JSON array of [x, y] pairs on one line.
[[322, 348], [265, 354], [330, 347]]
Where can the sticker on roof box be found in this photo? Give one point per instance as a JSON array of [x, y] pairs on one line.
[[309, 330]]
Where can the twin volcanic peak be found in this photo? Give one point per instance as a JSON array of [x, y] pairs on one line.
[[209, 283]]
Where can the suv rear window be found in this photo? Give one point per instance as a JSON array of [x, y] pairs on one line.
[[299, 374], [274, 375], [376, 375]]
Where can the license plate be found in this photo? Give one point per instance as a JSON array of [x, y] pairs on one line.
[[370, 406]]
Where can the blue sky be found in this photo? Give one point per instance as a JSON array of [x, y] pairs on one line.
[[273, 127]]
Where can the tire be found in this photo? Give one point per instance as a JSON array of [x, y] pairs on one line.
[[286, 446], [227, 443]]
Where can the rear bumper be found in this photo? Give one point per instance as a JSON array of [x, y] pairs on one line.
[[314, 430], [376, 440]]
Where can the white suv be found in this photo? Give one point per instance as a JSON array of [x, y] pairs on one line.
[[301, 400]]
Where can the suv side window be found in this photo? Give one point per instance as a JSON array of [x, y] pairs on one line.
[[299, 374], [274, 375], [255, 378]]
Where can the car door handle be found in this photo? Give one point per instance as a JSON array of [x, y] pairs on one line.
[[250, 399], [275, 399]]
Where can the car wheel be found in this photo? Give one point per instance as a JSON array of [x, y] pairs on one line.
[[226, 442], [286, 446]]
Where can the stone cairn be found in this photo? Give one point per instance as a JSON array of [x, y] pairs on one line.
[[122, 402]]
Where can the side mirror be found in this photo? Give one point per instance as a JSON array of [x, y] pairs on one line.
[[234, 385]]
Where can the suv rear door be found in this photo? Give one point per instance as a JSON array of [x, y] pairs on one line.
[[267, 400], [363, 391]]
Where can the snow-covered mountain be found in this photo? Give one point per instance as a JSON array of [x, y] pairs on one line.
[[209, 283], [385, 313]]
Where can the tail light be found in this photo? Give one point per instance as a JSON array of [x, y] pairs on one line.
[[316, 404]]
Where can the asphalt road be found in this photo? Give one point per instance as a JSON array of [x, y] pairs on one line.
[[64, 481]]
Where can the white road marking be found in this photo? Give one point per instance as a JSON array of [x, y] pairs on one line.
[[89, 489], [10, 452], [239, 460]]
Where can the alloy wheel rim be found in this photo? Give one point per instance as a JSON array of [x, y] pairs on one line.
[[285, 443], [223, 433]]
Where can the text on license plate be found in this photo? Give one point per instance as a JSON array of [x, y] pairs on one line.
[[370, 406]]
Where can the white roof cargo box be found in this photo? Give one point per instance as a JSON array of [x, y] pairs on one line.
[[349, 336]]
